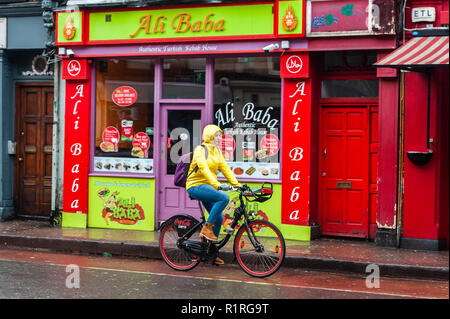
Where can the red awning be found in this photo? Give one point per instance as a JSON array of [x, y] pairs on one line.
[[420, 51]]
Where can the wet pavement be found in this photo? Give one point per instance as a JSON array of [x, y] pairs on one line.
[[327, 254], [44, 275]]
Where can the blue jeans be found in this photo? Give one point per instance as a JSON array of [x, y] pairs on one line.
[[214, 201]]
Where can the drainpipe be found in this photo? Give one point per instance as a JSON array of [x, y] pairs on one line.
[[401, 152], [50, 53], [401, 130], [55, 150]]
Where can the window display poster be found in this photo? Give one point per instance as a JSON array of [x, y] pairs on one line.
[[250, 143], [141, 143], [124, 96], [110, 139], [121, 203], [127, 130], [227, 146]]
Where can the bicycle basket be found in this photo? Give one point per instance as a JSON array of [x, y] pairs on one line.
[[262, 194]]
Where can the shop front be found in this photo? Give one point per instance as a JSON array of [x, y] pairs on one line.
[[140, 86], [422, 59], [299, 112]]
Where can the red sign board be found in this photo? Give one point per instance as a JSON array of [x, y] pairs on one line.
[[294, 65], [75, 69], [296, 151], [76, 147], [124, 96], [333, 16]]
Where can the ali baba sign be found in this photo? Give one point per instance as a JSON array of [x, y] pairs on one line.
[[121, 210], [212, 22], [121, 203]]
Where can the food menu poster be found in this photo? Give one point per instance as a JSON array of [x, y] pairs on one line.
[[123, 165], [254, 170]]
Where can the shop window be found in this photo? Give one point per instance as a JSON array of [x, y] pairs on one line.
[[362, 88], [184, 78], [247, 100], [350, 61], [124, 116]]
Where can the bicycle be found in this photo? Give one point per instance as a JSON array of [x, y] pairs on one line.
[[258, 255]]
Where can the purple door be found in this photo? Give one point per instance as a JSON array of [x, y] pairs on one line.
[[181, 129]]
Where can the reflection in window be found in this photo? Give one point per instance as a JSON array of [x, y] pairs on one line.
[[347, 61], [350, 88], [247, 107], [124, 116], [184, 78], [181, 135]]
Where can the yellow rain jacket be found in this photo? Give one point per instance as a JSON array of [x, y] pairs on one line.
[[207, 169]]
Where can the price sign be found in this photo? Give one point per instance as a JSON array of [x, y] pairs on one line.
[[124, 96]]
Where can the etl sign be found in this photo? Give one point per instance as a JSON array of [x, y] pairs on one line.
[[423, 14]]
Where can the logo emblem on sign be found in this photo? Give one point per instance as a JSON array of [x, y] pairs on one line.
[[294, 64], [69, 29], [289, 21], [73, 68]]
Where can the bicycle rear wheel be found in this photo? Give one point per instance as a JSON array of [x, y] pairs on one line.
[[175, 257], [267, 255]]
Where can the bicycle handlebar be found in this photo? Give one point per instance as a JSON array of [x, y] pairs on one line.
[[266, 193]]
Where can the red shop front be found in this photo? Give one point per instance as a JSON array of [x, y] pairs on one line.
[[422, 61]]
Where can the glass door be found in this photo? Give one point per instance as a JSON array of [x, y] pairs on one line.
[[181, 129]]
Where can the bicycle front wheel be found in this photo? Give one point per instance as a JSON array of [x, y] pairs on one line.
[[260, 253], [175, 257]]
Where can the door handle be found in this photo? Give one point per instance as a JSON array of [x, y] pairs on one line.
[[325, 154], [20, 159]]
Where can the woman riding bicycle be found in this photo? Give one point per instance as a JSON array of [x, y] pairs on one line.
[[203, 185]]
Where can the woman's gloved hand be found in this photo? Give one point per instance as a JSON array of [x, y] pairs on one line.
[[224, 187]]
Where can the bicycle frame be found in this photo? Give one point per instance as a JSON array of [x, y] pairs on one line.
[[240, 211]]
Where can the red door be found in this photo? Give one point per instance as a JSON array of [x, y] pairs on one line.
[[344, 169]]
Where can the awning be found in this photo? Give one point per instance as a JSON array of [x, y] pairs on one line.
[[418, 52]]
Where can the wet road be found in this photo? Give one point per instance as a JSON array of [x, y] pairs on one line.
[[29, 274]]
